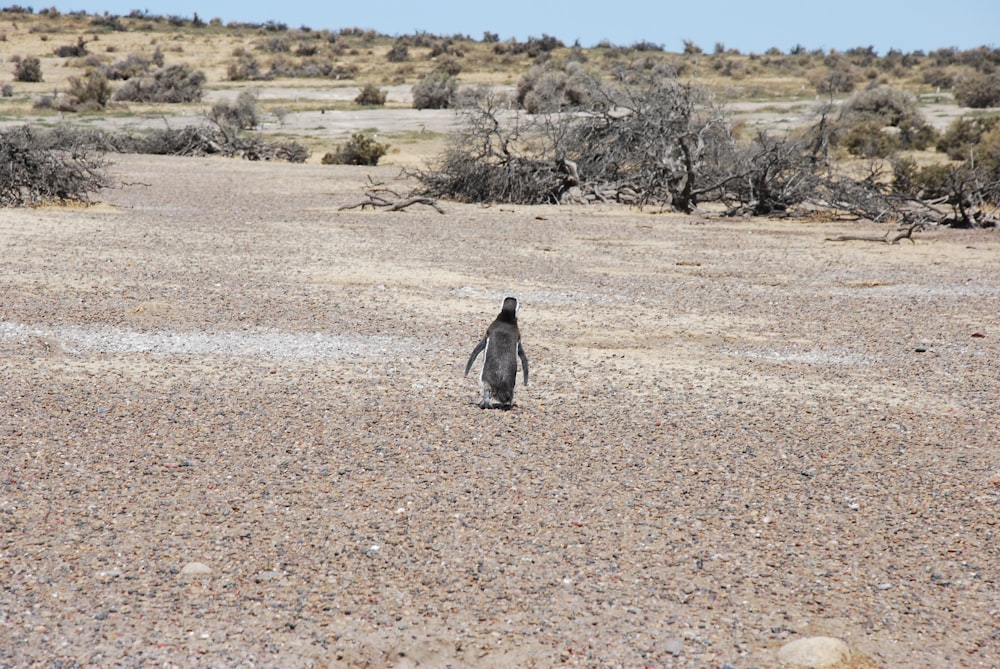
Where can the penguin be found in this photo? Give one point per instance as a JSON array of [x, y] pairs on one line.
[[502, 344]]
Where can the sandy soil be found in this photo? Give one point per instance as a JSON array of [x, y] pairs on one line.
[[736, 434]]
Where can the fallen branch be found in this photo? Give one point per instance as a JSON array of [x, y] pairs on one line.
[[904, 233], [375, 201]]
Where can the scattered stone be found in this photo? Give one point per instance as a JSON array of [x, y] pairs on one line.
[[675, 647], [268, 576], [815, 652], [196, 568]]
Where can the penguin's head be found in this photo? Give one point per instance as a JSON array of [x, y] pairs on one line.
[[509, 310]]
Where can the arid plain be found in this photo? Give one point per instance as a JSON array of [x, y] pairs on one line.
[[736, 433], [235, 430]]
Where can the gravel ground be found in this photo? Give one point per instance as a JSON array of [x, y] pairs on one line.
[[736, 434]]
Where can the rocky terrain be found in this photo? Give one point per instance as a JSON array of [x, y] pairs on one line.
[[236, 433]]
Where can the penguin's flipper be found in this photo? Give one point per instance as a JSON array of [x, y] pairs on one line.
[[475, 352], [524, 362]]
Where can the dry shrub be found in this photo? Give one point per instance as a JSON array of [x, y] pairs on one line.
[[28, 70], [171, 84], [881, 120], [371, 95], [133, 65], [435, 91], [361, 149], [979, 91], [243, 115], [245, 68], [964, 134], [36, 172], [90, 91], [399, 53]]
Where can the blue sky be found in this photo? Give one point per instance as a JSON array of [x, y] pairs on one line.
[[751, 27]]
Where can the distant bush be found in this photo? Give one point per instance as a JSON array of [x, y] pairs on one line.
[[445, 47], [28, 70], [533, 47], [545, 89], [311, 67], [171, 84], [979, 91], [77, 50], [6, 91], [274, 45], [435, 91], [131, 66], [362, 149], [92, 90], [306, 50], [245, 68], [880, 120], [839, 76], [448, 65], [941, 77], [399, 53], [243, 115], [371, 95], [965, 133]]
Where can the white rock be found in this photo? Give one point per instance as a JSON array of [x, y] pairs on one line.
[[674, 646], [815, 652], [196, 568]]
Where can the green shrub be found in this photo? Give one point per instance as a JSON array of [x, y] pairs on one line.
[[28, 70], [362, 149], [371, 95]]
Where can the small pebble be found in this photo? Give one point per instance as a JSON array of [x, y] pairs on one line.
[[196, 568], [675, 647]]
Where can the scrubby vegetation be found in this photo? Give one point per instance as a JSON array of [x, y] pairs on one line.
[[647, 138], [37, 170], [362, 149], [637, 124], [243, 115], [170, 84], [371, 96], [28, 69], [435, 91]]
